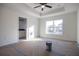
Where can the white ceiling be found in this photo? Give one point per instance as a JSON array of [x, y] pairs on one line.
[[58, 8]]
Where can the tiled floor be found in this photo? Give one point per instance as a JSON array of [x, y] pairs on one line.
[[38, 48]]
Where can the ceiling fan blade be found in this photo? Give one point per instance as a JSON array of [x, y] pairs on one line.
[[37, 6], [48, 6], [42, 9]]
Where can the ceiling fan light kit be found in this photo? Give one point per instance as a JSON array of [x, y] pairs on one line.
[[42, 6]]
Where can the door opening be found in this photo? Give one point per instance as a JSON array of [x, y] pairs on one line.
[[22, 28]]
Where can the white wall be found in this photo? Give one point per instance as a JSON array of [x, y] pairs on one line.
[[9, 24], [70, 27], [78, 27], [8, 27]]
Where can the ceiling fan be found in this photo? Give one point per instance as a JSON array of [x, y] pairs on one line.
[[42, 5]]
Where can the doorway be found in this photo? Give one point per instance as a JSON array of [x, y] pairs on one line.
[[22, 28]]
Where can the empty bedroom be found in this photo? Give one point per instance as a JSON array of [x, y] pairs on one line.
[[39, 29]]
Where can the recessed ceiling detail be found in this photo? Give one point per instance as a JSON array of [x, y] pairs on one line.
[[55, 8], [53, 5]]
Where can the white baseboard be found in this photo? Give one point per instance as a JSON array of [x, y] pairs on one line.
[[8, 43]]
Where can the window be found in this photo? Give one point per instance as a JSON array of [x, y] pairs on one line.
[[54, 27]]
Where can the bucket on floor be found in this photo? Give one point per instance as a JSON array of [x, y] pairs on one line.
[[49, 46]]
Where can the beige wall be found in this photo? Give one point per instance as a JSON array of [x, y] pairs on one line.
[[9, 24], [70, 27]]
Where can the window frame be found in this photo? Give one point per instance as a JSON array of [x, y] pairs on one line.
[[47, 32]]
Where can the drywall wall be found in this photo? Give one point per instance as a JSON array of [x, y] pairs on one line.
[[9, 24], [8, 27], [69, 26], [78, 27]]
